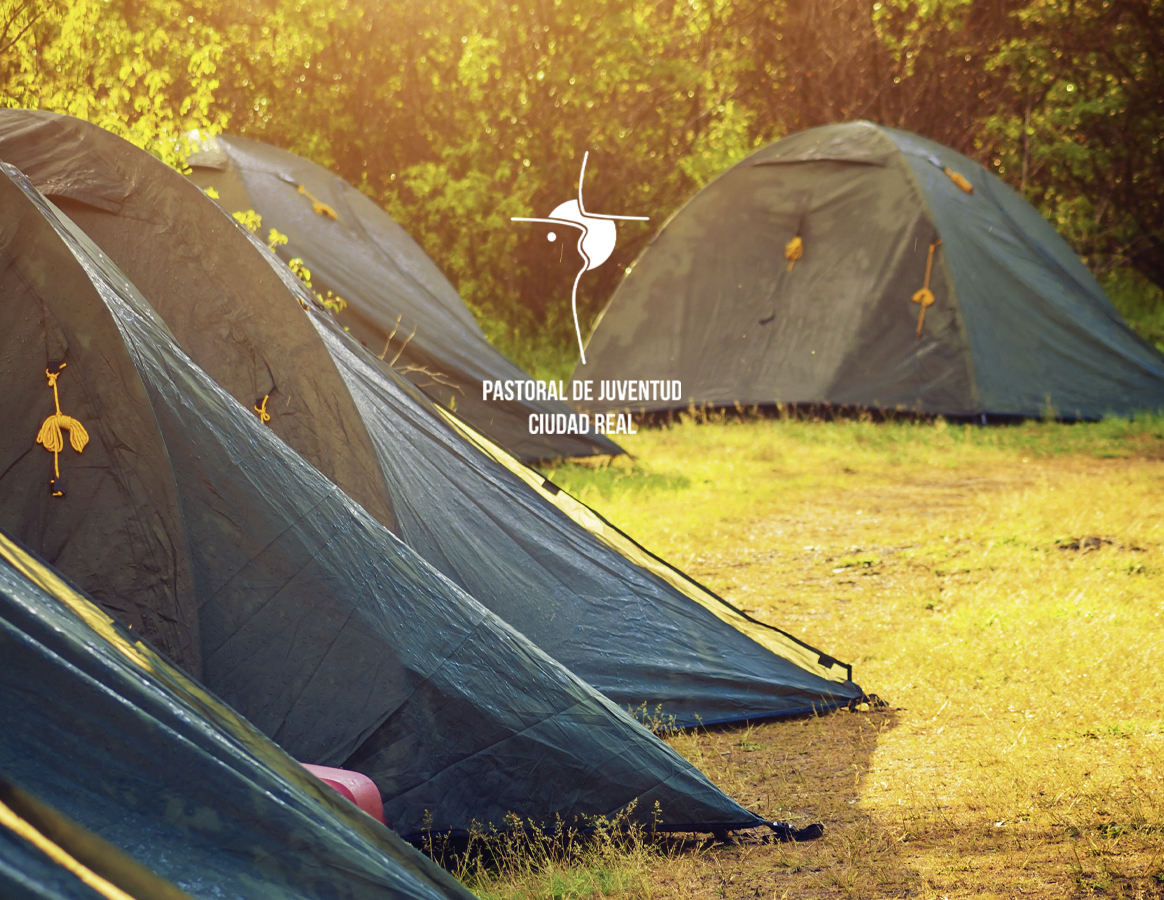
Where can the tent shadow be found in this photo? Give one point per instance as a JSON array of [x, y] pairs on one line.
[[800, 771]]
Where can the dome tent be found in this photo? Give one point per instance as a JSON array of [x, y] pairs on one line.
[[727, 300], [625, 622], [399, 302], [142, 219], [104, 742], [315, 622], [637, 629]]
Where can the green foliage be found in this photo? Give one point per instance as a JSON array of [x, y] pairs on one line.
[[457, 115], [276, 239], [252, 222], [548, 351], [457, 128], [1140, 302], [1079, 124], [738, 452], [145, 71], [248, 219]]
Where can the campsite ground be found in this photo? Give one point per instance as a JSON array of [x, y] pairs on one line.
[[1001, 588]]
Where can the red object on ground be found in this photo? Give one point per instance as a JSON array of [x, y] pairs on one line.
[[353, 786]]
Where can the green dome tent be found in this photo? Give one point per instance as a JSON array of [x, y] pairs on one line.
[[104, 742], [313, 620], [625, 622], [149, 221], [399, 302], [795, 277]]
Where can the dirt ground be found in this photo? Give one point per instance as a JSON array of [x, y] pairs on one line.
[[1004, 598]]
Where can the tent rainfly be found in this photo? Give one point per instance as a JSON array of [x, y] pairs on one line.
[[45, 856], [106, 744], [860, 265], [398, 302], [622, 620], [299, 609]]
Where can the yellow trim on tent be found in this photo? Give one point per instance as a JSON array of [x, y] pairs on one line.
[[48, 581], [145, 658], [10, 820], [770, 638]]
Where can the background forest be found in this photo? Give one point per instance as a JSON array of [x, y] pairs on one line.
[[458, 114]]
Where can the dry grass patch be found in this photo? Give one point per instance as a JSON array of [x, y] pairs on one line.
[[1002, 588]]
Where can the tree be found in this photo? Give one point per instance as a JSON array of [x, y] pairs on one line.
[[1081, 129], [141, 70], [457, 115], [458, 128]]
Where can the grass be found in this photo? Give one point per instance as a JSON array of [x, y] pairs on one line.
[[1002, 588], [524, 861]]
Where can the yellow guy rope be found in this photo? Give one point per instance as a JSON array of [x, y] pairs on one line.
[[925, 296], [26, 830], [261, 409], [318, 206], [793, 250], [50, 432]]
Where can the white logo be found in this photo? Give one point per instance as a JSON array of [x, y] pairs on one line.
[[596, 242]]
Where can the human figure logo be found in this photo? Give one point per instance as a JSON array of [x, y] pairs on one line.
[[597, 237], [595, 243]]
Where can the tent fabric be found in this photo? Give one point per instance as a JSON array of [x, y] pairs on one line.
[[30, 870], [110, 744], [316, 623], [99, 182], [631, 626], [625, 622], [120, 531], [39, 858], [390, 285], [1019, 327]]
